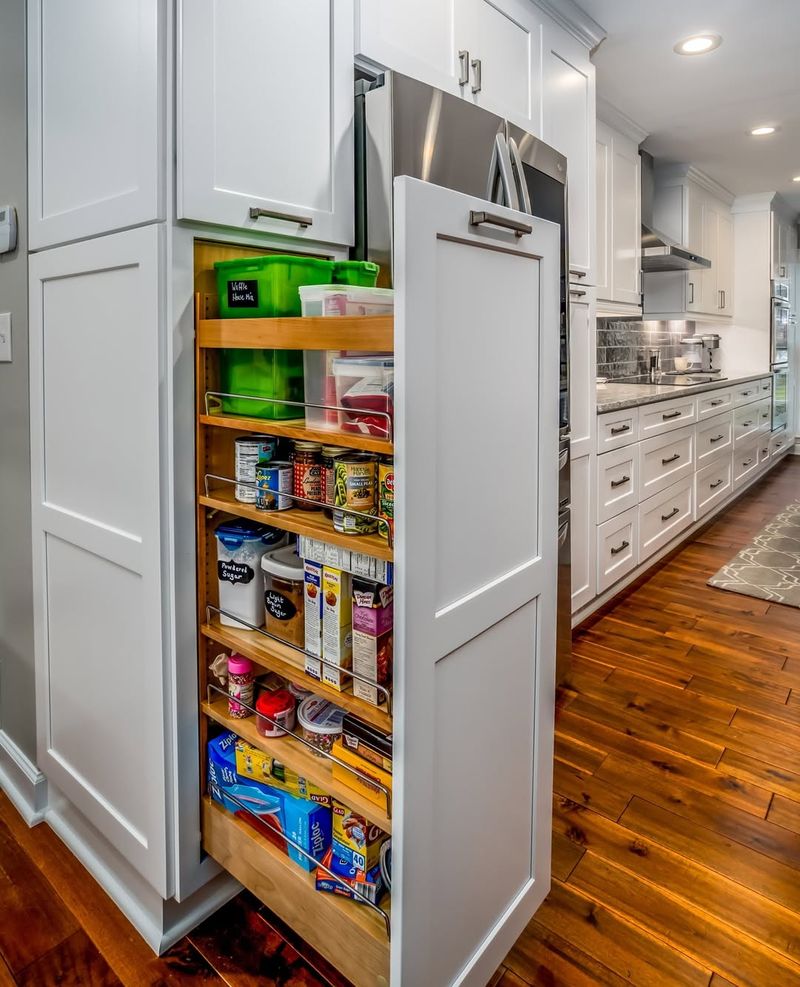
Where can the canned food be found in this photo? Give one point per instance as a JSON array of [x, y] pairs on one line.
[[386, 496], [356, 488], [249, 451], [273, 479], [329, 455], [307, 481]]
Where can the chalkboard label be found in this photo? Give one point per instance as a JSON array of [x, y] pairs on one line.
[[279, 606], [243, 294], [235, 572]]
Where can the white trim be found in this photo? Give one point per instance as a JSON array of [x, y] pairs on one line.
[[620, 310], [620, 121], [756, 202], [667, 173], [22, 781], [580, 25]]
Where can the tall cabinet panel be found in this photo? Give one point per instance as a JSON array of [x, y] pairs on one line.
[[265, 138], [95, 313], [96, 124], [474, 617]]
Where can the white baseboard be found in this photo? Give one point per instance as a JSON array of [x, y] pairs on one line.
[[22, 781]]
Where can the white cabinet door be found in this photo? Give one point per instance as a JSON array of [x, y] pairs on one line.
[[626, 221], [95, 377], [419, 38], [583, 543], [725, 262], [604, 150], [265, 109], [475, 618], [96, 106], [582, 371], [568, 124]]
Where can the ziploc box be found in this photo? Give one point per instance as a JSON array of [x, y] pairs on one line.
[[312, 594], [337, 629], [356, 841], [372, 638], [370, 885], [254, 763], [269, 811]]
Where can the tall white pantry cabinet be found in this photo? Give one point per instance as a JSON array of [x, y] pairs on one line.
[[113, 234]]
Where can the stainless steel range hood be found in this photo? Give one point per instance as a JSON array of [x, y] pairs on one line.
[[660, 252]]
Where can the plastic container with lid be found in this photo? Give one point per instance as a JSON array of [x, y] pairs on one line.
[[267, 287], [280, 707], [241, 546], [338, 299], [363, 273], [321, 723], [241, 682], [261, 374], [284, 596], [365, 388]]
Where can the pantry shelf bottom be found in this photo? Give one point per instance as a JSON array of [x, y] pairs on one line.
[[350, 936]]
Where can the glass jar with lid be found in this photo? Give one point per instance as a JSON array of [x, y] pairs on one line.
[[307, 466]]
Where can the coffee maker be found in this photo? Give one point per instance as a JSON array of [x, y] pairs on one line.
[[702, 353]]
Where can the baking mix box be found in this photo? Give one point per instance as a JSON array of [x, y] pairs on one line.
[[254, 763], [272, 812], [337, 626], [373, 614], [312, 601], [356, 563]]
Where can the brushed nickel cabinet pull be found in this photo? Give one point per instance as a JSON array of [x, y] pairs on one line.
[[717, 438], [620, 548], [748, 423], [747, 462], [671, 414], [491, 219], [287, 217], [672, 513], [715, 403], [715, 484], [463, 67], [621, 481], [670, 459], [619, 429]]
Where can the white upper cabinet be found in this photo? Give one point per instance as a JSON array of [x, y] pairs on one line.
[[568, 124], [265, 108], [619, 230], [784, 247], [95, 117]]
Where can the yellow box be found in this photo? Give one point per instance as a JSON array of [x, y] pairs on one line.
[[361, 785], [254, 763], [355, 839]]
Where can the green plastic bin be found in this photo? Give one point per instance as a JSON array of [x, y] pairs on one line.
[[262, 374], [361, 273], [266, 287]]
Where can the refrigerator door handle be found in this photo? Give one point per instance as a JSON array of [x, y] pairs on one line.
[[519, 176], [501, 179]]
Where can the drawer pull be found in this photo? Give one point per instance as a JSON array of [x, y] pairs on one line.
[[670, 459], [717, 438], [765, 414], [746, 394], [671, 414], [620, 429], [622, 480], [747, 462], [577, 292], [716, 483], [718, 401], [620, 548], [748, 423], [672, 513], [765, 387]]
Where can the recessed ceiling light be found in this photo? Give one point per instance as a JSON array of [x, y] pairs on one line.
[[796, 178], [698, 44], [762, 131]]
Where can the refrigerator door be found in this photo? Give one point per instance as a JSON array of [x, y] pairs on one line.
[[780, 397], [781, 313]]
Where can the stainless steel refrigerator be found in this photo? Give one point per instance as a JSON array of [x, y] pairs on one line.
[[404, 127]]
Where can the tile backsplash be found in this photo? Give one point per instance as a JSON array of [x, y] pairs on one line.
[[622, 345]]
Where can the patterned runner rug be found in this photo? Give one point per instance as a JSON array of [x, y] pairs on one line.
[[769, 568]]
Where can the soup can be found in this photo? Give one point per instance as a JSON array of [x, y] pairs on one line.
[[250, 450], [386, 496], [355, 487], [273, 479]]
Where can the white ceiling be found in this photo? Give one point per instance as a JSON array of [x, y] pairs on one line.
[[699, 109]]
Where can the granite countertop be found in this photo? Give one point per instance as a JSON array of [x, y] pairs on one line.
[[614, 395]]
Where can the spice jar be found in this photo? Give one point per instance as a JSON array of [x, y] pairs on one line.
[[284, 596], [279, 706], [329, 454], [307, 466], [321, 723], [240, 686]]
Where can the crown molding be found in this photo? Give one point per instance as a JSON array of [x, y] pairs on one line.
[[668, 173], [570, 16], [756, 202], [619, 121]]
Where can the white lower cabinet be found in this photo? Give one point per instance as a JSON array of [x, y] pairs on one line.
[[617, 481], [582, 370], [664, 516], [745, 423], [617, 548], [709, 405], [765, 414], [745, 463], [714, 438], [666, 416], [617, 428], [583, 568], [712, 484], [665, 459], [780, 443]]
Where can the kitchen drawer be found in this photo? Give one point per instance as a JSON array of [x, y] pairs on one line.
[[617, 482], [745, 464], [617, 545], [714, 438], [765, 387], [666, 416], [665, 459], [664, 516], [712, 484], [779, 443], [617, 428], [747, 393], [765, 414], [745, 423], [763, 449], [714, 403]]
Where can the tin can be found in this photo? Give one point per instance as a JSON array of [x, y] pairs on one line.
[[307, 470], [273, 479], [329, 456], [249, 451], [355, 487], [386, 496]]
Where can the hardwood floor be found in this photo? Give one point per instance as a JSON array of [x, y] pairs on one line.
[[676, 826]]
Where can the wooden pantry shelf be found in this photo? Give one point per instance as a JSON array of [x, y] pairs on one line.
[[297, 429], [280, 658], [349, 935], [297, 756], [313, 524], [370, 333]]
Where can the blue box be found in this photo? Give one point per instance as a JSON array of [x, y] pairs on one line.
[[306, 823], [370, 885]]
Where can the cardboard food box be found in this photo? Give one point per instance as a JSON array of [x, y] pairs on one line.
[[254, 763], [355, 563], [357, 783], [372, 638], [355, 839], [337, 626], [312, 600], [370, 884]]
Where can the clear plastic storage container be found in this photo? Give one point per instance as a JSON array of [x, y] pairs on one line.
[[340, 299], [365, 389]]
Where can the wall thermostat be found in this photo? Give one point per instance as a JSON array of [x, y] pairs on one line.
[[8, 229]]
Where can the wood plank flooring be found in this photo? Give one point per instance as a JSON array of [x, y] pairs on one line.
[[676, 818]]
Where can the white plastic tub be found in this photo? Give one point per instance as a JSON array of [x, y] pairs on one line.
[[241, 545]]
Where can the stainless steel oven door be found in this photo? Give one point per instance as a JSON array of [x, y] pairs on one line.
[[780, 331], [780, 397]]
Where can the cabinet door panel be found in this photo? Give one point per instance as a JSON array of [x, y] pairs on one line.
[[95, 311], [582, 373], [725, 262], [711, 300], [626, 222], [582, 533], [462, 602], [96, 117], [261, 126], [603, 216]]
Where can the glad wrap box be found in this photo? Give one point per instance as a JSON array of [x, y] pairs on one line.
[[272, 812]]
